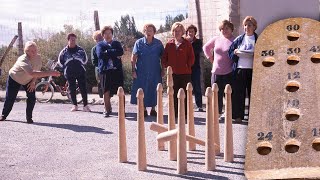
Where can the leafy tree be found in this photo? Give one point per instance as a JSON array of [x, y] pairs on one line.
[[126, 31], [161, 29], [170, 21]]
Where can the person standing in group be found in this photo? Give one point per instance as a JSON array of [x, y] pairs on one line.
[[146, 68], [24, 73], [196, 69], [178, 54], [97, 37], [109, 54], [73, 58], [241, 52], [216, 50]]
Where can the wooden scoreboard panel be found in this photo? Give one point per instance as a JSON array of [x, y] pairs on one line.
[[284, 127]]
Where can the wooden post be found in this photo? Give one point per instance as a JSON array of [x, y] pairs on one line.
[[190, 118], [228, 137], [200, 33], [172, 148], [215, 111], [8, 49], [210, 150], [141, 150], [20, 40], [122, 127], [182, 150], [96, 20], [160, 112]]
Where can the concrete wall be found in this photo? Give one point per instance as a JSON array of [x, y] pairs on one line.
[[270, 11]]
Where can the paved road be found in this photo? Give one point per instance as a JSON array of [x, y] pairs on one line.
[[79, 145]]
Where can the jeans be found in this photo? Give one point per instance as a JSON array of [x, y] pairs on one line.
[[12, 90]]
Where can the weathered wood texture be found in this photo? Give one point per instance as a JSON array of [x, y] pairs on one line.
[[285, 102]]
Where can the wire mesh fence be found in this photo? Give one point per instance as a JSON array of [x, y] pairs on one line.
[[49, 29]]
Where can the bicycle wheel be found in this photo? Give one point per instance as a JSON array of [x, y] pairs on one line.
[[44, 92]]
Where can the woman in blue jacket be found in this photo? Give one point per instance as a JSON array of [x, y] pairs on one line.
[[109, 54], [241, 52]]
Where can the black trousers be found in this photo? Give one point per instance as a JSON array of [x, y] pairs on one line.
[[81, 78], [12, 90], [241, 86], [221, 81], [180, 81], [196, 84]]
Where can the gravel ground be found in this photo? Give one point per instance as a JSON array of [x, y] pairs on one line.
[[80, 145]]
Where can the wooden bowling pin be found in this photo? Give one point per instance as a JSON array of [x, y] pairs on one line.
[[216, 128], [122, 143], [228, 141], [141, 149], [172, 148], [210, 160], [190, 117], [182, 151], [160, 112]]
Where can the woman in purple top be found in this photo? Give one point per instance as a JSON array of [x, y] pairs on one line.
[[216, 50]]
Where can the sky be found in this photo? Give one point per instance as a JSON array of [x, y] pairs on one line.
[[51, 15]]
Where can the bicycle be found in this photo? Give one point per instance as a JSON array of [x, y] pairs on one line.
[[46, 88]]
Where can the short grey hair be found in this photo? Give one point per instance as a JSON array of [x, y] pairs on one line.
[[29, 44]]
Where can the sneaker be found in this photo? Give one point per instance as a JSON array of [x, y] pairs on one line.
[[153, 113], [200, 109], [29, 121], [2, 118], [86, 109], [74, 108], [222, 117]]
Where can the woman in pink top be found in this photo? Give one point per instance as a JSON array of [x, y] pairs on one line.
[[216, 50]]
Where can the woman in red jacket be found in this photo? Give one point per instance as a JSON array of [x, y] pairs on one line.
[[178, 54]]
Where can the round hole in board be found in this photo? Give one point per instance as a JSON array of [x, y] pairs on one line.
[[292, 114], [292, 146], [316, 144], [264, 148], [268, 61], [293, 60], [316, 58], [292, 86], [293, 36]]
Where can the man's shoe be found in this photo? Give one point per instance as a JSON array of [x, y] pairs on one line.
[[86, 109], [2, 118], [153, 113], [29, 121], [74, 108]]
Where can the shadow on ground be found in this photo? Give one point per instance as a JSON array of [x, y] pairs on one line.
[[72, 127]]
